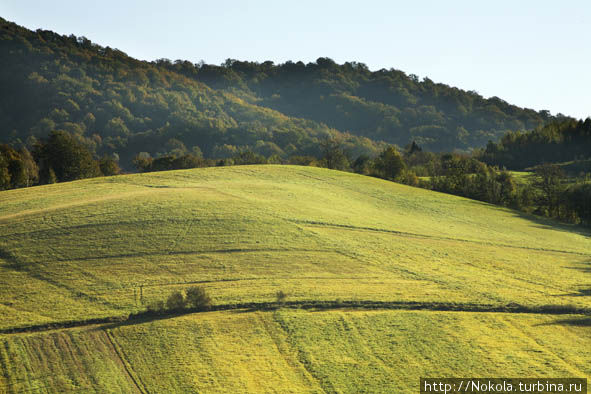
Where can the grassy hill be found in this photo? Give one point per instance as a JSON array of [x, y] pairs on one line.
[[445, 277]]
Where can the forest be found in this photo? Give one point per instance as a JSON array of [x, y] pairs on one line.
[[117, 105], [567, 142]]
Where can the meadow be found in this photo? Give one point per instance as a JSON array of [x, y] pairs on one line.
[[107, 247]]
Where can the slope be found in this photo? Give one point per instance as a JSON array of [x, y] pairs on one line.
[[106, 247]]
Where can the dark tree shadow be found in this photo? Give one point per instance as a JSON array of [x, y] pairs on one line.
[[572, 321], [579, 293], [583, 267], [542, 221], [553, 224], [11, 260]]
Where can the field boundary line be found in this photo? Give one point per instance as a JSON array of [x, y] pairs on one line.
[[116, 321]]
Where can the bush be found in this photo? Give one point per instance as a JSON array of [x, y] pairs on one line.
[[281, 296], [198, 298], [156, 307], [176, 301]]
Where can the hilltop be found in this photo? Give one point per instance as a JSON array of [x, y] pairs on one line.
[[407, 282]]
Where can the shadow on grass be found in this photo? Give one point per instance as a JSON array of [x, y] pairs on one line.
[[553, 224], [583, 267], [543, 221], [571, 321], [12, 262], [579, 293]]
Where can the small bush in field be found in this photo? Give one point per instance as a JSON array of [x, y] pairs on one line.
[[156, 307], [176, 301], [198, 298], [281, 296]]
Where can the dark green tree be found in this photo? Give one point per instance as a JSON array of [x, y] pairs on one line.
[[4, 173], [578, 199], [362, 165], [68, 157], [549, 180]]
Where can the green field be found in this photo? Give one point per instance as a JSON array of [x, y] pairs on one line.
[[107, 247]]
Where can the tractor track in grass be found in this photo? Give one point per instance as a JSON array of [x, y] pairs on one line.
[[141, 317], [191, 253], [141, 387]]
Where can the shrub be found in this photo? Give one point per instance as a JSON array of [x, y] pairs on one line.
[[198, 298], [176, 301], [156, 307], [281, 296]]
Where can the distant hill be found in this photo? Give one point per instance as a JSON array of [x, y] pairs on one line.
[[116, 104], [386, 105]]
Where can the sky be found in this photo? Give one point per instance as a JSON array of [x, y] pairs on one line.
[[535, 54]]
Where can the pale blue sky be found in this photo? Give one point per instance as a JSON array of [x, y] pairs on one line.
[[533, 53]]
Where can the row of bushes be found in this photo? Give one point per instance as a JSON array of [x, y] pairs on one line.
[[194, 298]]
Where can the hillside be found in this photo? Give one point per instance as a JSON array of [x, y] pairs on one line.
[[116, 104], [386, 105], [405, 283]]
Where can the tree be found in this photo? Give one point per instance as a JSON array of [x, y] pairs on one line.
[[51, 178], [69, 158], [156, 306], [413, 148], [507, 188], [249, 157], [549, 181], [143, 162], [188, 161], [18, 173], [4, 174], [362, 165], [333, 154], [176, 301], [579, 200], [18, 168], [10, 166], [389, 163], [30, 166], [198, 298], [109, 166]]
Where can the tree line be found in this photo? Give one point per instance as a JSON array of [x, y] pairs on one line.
[[62, 157], [59, 158]]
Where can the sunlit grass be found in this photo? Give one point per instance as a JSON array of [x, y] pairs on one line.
[[109, 246]]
